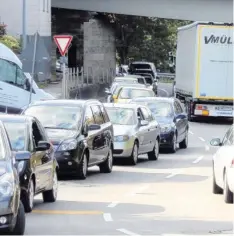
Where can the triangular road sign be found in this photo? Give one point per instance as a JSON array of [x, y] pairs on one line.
[[63, 42]]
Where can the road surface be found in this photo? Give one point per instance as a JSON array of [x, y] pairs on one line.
[[171, 196]]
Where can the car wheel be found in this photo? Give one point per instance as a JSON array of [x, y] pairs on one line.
[[20, 221], [228, 195], [106, 166], [83, 167], [51, 195], [215, 188], [174, 144], [153, 155], [134, 156], [28, 198], [184, 143]]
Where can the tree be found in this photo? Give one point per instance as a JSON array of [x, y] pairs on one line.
[[139, 38], [8, 40]]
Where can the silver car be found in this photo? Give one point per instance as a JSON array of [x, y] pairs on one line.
[[135, 131]]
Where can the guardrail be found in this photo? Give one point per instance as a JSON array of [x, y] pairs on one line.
[[166, 75]]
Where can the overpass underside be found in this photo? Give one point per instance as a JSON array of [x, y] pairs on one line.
[[194, 10]]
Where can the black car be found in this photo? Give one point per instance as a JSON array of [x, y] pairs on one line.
[[80, 131], [172, 118], [12, 215], [39, 173]]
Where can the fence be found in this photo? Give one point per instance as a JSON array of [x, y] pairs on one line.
[[79, 81]]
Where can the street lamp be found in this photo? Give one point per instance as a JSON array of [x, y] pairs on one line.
[[24, 24]]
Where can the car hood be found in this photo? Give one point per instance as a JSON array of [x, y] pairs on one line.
[[122, 129], [2, 168], [164, 120], [56, 136]]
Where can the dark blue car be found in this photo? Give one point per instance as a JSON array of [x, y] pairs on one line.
[[172, 118]]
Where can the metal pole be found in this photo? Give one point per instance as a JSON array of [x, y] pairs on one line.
[[24, 37], [64, 79], [33, 67]]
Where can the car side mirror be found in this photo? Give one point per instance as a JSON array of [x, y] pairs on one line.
[[43, 146], [94, 127], [144, 123], [216, 142], [22, 156]]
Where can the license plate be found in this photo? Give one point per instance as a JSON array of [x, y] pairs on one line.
[[224, 108]]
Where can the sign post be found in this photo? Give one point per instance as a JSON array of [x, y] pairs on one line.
[[63, 42]]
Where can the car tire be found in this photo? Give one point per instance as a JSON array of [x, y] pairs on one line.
[[184, 143], [83, 167], [228, 195], [134, 156], [28, 198], [106, 166], [215, 188], [173, 147], [153, 155], [20, 221], [51, 195]]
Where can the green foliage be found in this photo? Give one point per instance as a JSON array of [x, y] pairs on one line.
[[144, 38], [8, 40]]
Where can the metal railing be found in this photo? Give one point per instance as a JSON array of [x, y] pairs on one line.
[[79, 78]]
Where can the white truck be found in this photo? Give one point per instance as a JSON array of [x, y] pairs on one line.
[[204, 69]]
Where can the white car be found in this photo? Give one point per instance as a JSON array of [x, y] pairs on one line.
[[223, 166]]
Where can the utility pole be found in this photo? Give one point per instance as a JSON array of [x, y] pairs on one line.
[[24, 37]]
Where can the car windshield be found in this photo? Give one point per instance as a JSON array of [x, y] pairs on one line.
[[121, 116], [57, 116], [17, 134], [139, 66], [2, 150], [135, 93], [163, 109], [141, 81]]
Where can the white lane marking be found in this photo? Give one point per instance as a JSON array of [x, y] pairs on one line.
[[207, 148], [127, 232], [165, 91], [138, 190], [107, 217], [198, 159], [202, 139], [173, 174], [113, 204], [191, 132]]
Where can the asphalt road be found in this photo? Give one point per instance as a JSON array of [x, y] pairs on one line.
[[171, 196]]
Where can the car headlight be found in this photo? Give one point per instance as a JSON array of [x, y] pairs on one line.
[[6, 185], [20, 166], [68, 145], [121, 138], [166, 128]]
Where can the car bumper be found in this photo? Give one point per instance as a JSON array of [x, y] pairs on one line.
[[166, 139], [123, 149], [7, 212], [66, 162]]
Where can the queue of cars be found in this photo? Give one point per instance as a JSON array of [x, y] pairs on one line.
[[57, 137]]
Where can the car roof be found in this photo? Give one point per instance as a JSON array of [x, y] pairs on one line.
[[135, 85], [126, 78], [79, 102], [133, 76], [15, 118], [141, 88], [121, 105], [166, 99]]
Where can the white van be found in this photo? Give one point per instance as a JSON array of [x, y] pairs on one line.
[[15, 84]]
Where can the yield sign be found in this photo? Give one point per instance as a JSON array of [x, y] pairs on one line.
[[63, 42]]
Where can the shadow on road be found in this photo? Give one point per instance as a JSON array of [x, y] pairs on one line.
[[214, 120]]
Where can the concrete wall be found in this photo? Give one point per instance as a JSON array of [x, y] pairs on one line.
[[38, 17], [194, 10], [99, 50]]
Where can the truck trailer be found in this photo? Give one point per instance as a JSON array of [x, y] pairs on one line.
[[204, 69]]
